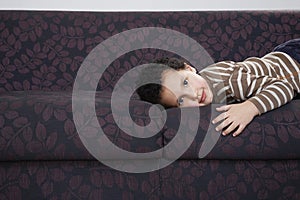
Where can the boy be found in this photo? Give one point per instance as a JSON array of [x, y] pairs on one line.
[[257, 84]]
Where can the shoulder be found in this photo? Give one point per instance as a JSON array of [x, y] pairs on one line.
[[281, 59], [277, 54], [221, 66]]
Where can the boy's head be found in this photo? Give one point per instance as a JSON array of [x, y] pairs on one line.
[[179, 84]]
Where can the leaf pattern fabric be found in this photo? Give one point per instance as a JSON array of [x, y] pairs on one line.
[[42, 156]]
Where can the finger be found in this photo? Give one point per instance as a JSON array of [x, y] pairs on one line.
[[224, 124], [220, 117], [238, 131], [223, 108], [230, 128]]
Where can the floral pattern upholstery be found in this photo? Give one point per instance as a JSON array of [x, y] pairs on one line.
[[42, 156]]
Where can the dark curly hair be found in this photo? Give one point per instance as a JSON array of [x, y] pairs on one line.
[[153, 73]]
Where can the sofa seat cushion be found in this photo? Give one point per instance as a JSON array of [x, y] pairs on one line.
[[273, 135], [39, 125]]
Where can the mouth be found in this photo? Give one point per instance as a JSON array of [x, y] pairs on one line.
[[203, 97]]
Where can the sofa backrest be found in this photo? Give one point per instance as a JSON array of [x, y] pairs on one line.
[[44, 50]]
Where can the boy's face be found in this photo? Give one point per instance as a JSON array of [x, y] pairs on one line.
[[185, 88]]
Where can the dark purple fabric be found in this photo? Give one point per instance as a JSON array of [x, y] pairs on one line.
[[42, 156], [274, 135], [74, 180], [228, 179], [193, 180], [40, 126], [44, 50]]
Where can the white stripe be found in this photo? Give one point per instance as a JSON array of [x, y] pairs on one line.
[[293, 62], [282, 63], [274, 65], [249, 80], [290, 59], [297, 71], [281, 91], [275, 96], [261, 85], [267, 65], [223, 100], [230, 84], [248, 74], [290, 73], [222, 90], [252, 87], [240, 85], [230, 63], [260, 68], [214, 79], [271, 62], [269, 100], [218, 69], [247, 67], [286, 68], [288, 89], [219, 73], [296, 85], [261, 103], [254, 68], [229, 67]]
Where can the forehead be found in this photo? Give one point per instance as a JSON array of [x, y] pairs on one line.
[[171, 80], [171, 75]]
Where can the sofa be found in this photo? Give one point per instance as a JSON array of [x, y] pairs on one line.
[[44, 155]]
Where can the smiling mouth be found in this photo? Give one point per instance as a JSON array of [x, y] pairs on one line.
[[203, 97]]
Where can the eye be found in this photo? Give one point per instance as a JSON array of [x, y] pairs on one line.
[[185, 82], [180, 101]]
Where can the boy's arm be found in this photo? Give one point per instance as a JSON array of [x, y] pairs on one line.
[[259, 93], [235, 117], [265, 92]]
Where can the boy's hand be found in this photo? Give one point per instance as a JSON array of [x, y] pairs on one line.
[[235, 116]]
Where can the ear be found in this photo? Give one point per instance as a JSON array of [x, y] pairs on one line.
[[189, 67]]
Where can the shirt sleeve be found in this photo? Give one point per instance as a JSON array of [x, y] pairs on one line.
[[265, 92]]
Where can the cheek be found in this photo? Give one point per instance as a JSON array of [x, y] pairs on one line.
[[197, 81], [209, 97], [190, 103], [202, 82]]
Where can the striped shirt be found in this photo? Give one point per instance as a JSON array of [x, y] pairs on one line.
[[268, 82]]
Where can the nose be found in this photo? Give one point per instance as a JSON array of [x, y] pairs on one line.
[[193, 94], [198, 95]]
